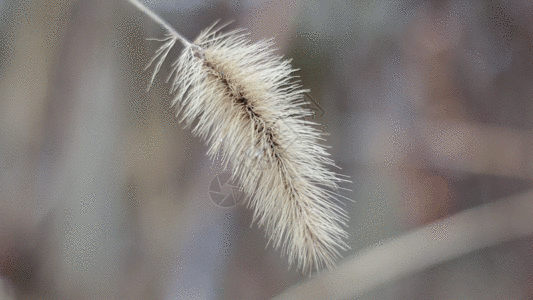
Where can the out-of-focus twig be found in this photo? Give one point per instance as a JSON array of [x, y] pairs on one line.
[[422, 248], [461, 146], [478, 148]]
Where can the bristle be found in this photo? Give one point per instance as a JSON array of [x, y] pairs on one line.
[[251, 111]]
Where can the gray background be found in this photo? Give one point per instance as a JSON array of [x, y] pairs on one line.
[[104, 196]]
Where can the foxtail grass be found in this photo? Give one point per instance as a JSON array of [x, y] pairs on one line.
[[252, 113]]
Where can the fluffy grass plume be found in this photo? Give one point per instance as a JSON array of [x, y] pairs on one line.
[[251, 111]]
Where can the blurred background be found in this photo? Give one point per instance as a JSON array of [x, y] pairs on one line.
[[103, 195]]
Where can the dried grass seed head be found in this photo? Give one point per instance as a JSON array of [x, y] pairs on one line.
[[251, 111]]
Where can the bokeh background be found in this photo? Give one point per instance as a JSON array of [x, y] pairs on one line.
[[103, 195]]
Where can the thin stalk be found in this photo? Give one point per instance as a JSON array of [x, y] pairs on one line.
[[161, 22]]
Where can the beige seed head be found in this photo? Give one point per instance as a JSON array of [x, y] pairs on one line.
[[251, 111]]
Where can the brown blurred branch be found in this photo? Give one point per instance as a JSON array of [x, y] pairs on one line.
[[464, 147], [480, 149], [422, 248]]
